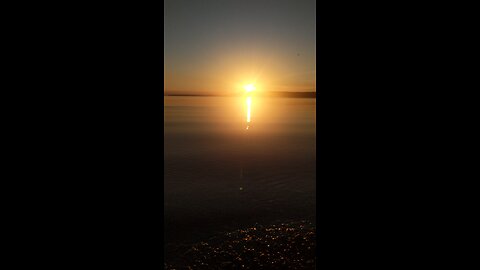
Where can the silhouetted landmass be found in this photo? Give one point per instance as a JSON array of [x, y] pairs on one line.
[[261, 94], [194, 95], [290, 94]]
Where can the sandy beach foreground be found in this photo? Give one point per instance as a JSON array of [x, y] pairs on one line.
[[279, 246]]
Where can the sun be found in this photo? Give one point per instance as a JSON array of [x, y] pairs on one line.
[[249, 87]]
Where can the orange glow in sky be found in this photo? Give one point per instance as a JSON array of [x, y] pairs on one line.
[[222, 47]]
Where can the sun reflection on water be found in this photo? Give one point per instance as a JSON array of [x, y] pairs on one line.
[[249, 111]]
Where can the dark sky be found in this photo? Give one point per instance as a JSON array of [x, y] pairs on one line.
[[218, 46]]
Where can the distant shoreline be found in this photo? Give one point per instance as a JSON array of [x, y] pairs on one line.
[[265, 94]]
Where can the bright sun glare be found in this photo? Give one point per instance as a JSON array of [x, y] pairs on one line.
[[249, 87]]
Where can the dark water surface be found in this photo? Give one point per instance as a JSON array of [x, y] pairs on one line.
[[221, 176]]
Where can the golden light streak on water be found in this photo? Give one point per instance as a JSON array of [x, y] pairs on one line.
[[249, 110]]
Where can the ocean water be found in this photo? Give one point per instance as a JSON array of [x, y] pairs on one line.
[[232, 162]]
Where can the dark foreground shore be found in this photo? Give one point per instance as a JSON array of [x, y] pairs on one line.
[[280, 246]]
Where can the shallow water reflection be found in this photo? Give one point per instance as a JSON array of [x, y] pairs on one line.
[[236, 160]]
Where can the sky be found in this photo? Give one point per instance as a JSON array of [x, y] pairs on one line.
[[218, 46]]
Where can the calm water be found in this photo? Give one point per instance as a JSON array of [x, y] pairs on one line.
[[231, 162]]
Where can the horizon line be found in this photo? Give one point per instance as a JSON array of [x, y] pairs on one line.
[[303, 93]]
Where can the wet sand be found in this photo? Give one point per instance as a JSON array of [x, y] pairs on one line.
[[278, 246]]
